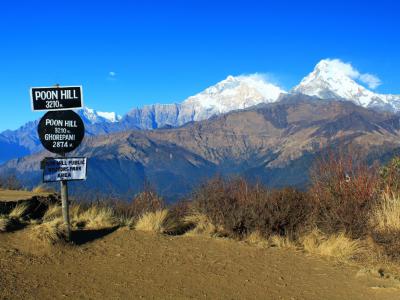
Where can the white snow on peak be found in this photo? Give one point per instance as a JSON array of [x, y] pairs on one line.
[[93, 116], [110, 116], [333, 78], [234, 92]]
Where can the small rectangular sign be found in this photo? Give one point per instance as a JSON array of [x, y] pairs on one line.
[[56, 98], [69, 168]]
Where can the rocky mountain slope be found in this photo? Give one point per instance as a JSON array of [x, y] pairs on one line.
[[274, 143]]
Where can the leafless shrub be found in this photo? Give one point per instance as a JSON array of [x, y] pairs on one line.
[[241, 208], [10, 183], [390, 176], [144, 202], [344, 189]]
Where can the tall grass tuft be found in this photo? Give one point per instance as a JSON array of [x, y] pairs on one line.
[[19, 211], [282, 242], [338, 246], [385, 216], [4, 223], [385, 225], [95, 217], [50, 232], [42, 188], [52, 212], [152, 221], [201, 225]]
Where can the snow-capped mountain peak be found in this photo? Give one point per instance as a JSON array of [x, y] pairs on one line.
[[93, 116], [333, 79], [234, 92]]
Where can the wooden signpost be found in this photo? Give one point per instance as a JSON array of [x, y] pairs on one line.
[[61, 131]]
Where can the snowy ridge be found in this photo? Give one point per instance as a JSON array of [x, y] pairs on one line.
[[235, 92], [232, 93], [334, 79], [93, 116]]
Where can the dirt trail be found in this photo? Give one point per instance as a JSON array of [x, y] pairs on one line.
[[133, 265]]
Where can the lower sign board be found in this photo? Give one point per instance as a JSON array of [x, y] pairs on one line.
[[68, 169], [61, 131]]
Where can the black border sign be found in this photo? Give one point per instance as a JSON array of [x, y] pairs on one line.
[[61, 131], [56, 98]]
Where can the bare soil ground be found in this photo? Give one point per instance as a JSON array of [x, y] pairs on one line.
[[10, 195], [127, 264]]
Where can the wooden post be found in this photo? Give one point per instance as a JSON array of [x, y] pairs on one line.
[[64, 200], [65, 206]]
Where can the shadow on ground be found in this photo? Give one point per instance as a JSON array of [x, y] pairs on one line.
[[81, 237]]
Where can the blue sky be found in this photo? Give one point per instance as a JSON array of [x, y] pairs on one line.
[[165, 51]]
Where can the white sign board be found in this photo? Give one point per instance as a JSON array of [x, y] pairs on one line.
[[69, 168]]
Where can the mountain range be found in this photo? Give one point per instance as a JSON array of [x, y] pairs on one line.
[[330, 79], [272, 143]]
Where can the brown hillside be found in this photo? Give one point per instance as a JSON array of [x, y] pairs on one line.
[[274, 143]]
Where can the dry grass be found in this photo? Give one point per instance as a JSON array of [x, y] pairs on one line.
[[125, 221], [92, 217], [256, 238], [51, 232], [53, 212], [337, 246], [152, 221], [386, 215], [201, 225], [75, 210], [282, 242], [18, 211], [4, 223], [42, 188], [95, 217]]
